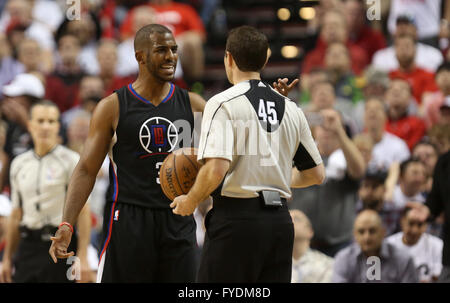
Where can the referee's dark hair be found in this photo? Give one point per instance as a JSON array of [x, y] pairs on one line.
[[249, 47]]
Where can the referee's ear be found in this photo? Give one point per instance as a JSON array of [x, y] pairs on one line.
[[269, 53]]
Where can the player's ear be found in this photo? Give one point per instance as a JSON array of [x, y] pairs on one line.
[[139, 55]]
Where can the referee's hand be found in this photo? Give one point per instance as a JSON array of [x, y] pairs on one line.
[[60, 243], [183, 206]]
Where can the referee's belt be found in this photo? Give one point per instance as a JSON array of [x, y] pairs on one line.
[[244, 204], [40, 234]]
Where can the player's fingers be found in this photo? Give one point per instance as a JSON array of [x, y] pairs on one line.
[[173, 204], [52, 254], [64, 255]]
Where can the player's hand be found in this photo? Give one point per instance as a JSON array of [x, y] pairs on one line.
[[282, 86], [60, 243], [6, 271], [183, 206]]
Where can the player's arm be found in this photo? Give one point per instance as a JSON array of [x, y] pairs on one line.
[[208, 179], [84, 238], [12, 240], [197, 102], [103, 123]]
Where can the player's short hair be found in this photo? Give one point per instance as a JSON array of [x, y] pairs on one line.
[[249, 47], [143, 34]]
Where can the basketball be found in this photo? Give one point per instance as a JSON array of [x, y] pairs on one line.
[[178, 172]]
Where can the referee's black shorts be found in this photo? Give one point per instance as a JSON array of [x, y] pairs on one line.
[[246, 241], [33, 263], [148, 245]]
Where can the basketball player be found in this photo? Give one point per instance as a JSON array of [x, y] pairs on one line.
[[249, 232], [136, 125]]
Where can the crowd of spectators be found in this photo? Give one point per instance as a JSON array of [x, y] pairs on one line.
[[377, 100]]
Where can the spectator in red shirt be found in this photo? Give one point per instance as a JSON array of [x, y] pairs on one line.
[[62, 86], [360, 33], [334, 29], [187, 28], [420, 80], [432, 104], [408, 127]]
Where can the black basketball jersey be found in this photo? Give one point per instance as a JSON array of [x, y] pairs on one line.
[[145, 135]]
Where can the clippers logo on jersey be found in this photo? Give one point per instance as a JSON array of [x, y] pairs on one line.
[[158, 135]]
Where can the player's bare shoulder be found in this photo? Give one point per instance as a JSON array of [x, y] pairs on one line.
[[107, 111], [197, 102]]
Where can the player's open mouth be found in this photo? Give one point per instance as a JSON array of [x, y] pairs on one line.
[[168, 67]]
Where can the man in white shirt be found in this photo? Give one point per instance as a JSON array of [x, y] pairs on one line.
[[411, 182], [388, 148], [308, 265], [427, 57], [425, 249]]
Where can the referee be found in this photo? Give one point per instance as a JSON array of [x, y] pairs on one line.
[[250, 137]]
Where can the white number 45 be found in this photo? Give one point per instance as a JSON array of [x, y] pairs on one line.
[[268, 114]]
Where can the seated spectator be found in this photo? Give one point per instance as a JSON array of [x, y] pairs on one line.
[[360, 32], [62, 85], [426, 14], [323, 97], [427, 57], [308, 265], [334, 29], [410, 185], [432, 104], [87, 30], [376, 82], [107, 59], [344, 165], [425, 249], [371, 194], [29, 53], [20, 95], [187, 28], [355, 265], [338, 65], [92, 90], [315, 76], [9, 67], [427, 153], [421, 81], [388, 148], [45, 12], [400, 122], [445, 112], [20, 16], [439, 135]]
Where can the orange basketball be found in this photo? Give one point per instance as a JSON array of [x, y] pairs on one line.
[[178, 172]]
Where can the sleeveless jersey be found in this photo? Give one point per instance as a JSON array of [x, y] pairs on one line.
[[145, 135]]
